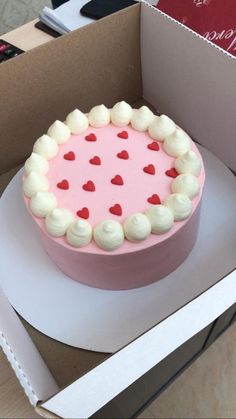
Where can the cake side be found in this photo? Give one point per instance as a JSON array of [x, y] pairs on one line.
[[127, 270]]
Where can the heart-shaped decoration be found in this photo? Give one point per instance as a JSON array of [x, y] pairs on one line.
[[150, 169], [83, 213], [64, 184], [91, 137], [117, 180], [116, 209], [123, 134], [123, 155], [153, 146], [89, 186], [172, 173], [154, 199], [95, 160], [69, 156]]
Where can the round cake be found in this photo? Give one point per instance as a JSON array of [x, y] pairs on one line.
[[116, 195]]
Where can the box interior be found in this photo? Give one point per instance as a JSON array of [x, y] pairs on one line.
[[80, 70]]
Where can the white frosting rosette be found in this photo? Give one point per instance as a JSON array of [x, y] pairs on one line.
[[137, 227], [58, 221], [180, 205], [46, 147], [77, 122], [177, 143], [99, 116], [161, 127], [33, 183], [108, 235], [42, 203], [36, 163], [79, 233], [142, 118], [186, 184], [161, 219], [59, 132], [121, 114], [188, 163]]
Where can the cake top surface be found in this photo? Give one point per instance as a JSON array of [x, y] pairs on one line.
[[113, 175]]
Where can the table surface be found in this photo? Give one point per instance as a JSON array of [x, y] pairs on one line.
[[27, 36]]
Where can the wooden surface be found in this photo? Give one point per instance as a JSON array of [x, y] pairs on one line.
[[27, 36], [13, 402]]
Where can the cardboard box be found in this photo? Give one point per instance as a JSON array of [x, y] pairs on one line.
[[142, 56]]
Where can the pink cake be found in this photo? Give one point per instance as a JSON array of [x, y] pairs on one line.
[[116, 195]]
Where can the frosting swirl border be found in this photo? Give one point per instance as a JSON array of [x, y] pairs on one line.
[[107, 122]]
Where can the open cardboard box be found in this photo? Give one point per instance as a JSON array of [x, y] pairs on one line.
[[138, 55]]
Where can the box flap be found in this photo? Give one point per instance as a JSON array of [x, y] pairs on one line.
[[23, 356], [73, 71], [187, 69], [96, 388]]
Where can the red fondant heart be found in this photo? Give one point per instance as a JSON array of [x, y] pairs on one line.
[[116, 209], [150, 169], [123, 155], [69, 156], [64, 184], [172, 173], [123, 134], [153, 146], [154, 199], [83, 213], [117, 180], [89, 186], [95, 160], [91, 137]]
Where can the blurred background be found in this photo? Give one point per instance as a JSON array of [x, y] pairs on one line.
[[14, 13]]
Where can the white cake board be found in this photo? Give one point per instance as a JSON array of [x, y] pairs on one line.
[[102, 320]]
